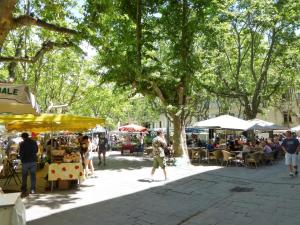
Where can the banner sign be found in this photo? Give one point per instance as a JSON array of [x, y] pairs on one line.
[[14, 92]]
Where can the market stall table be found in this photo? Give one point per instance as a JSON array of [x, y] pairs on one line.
[[65, 171], [12, 210]]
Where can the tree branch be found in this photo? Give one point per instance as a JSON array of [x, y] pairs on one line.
[[252, 58], [46, 47], [264, 68], [27, 20], [224, 93], [275, 88], [228, 60], [266, 63], [158, 92]]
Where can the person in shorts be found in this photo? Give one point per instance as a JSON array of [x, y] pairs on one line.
[[159, 144], [290, 146]]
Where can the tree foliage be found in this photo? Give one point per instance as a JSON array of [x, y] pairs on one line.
[[152, 46], [184, 55], [17, 17], [255, 53]]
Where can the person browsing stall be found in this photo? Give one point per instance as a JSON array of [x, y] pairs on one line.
[[28, 155]]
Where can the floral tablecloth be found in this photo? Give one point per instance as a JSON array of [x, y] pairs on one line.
[[65, 171]]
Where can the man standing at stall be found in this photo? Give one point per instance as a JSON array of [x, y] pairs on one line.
[[159, 145], [28, 151]]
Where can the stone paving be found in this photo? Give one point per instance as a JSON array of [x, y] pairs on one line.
[[194, 195]]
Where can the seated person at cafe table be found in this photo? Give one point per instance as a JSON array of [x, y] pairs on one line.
[[266, 148], [216, 144], [247, 148], [276, 147], [210, 146], [237, 145], [230, 143]]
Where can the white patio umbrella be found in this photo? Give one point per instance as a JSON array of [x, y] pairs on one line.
[[296, 129], [16, 99], [258, 124], [224, 122]]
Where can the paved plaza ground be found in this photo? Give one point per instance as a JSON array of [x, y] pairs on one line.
[[122, 194]]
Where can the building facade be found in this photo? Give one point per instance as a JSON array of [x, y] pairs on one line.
[[286, 114]]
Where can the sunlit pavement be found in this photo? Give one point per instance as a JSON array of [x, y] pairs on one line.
[[123, 194]]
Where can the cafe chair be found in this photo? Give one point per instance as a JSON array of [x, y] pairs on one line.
[[269, 158], [195, 155], [228, 158], [252, 160], [216, 155]]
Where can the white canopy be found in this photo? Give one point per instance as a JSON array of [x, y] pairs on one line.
[[99, 129], [224, 122], [258, 124], [296, 129], [16, 99]]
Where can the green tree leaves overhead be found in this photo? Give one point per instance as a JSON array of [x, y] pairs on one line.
[[184, 54], [255, 52], [152, 47]]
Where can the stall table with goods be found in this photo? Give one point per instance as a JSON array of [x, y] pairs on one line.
[[65, 166]]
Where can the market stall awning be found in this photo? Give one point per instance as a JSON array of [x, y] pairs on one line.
[[224, 122], [16, 99], [49, 122]]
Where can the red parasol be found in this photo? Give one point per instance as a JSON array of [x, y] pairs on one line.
[[133, 128]]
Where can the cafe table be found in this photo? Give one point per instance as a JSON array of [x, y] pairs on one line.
[[12, 209], [239, 160]]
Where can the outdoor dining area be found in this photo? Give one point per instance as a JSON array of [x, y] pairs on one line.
[[254, 157], [229, 147]]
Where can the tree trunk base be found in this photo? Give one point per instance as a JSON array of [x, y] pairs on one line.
[[182, 161]]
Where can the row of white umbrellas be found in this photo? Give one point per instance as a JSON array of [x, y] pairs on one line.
[[233, 123]]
